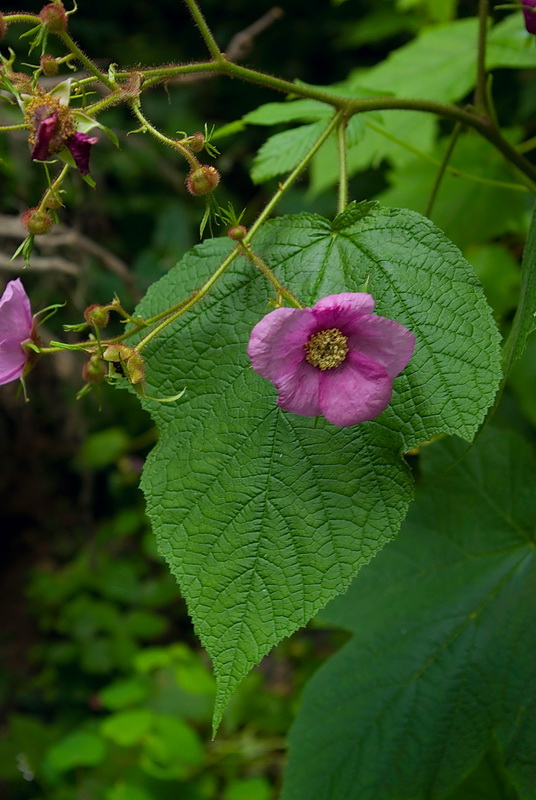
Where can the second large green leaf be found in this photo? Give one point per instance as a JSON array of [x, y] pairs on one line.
[[262, 515]]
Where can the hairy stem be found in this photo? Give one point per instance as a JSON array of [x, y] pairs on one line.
[[80, 56], [267, 272], [183, 150], [204, 30]]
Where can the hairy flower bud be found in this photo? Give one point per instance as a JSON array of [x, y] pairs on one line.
[[3, 26], [97, 316], [202, 180], [236, 233], [49, 65], [54, 17], [196, 142], [36, 221], [93, 371]]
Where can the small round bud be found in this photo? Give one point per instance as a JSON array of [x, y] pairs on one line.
[[196, 142], [49, 65], [3, 26], [36, 221], [93, 371], [237, 233], [54, 17], [202, 180], [97, 316]]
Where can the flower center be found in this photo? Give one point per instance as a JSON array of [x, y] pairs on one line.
[[327, 349]]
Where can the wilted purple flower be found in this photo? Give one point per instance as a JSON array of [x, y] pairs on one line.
[[15, 328], [530, 15], [53, 128], [337, 358]]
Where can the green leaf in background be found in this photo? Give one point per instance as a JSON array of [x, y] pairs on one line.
[[262, 515], [525, 318], [501, 209], [436, 65], [408, 708], [80, 748], [127, 728]]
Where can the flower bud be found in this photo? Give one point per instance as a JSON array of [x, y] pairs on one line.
[[237, 233], [97, 316], [37, 221], [3, 26], [196, 142], [202, 180], [93, 371], [54, 17], [49, 65]]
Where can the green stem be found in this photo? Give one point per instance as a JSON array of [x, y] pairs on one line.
[[343, 165], [20, 126], [52, 189], [442, 169], [267, 272], [360, 105], [204, 30], [183, 150], [9, 18], [191, 302], [71, 45], [481, 103], [284, 187]]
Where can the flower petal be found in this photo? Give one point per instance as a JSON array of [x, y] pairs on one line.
[[80, 146], [355, 392], [277, 343], [43, 137], [530, 16], [299, 392], [339, 310], [382, 340], [15, 313], [12, 361]]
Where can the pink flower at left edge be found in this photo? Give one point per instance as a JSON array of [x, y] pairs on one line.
[[529, 12], [15, 328], [337, 359]]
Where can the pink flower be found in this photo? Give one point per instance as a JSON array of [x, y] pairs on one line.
[[529, 12], [337, 358], [15, 328]]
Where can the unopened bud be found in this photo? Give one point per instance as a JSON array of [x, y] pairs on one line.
[[93, 371], [37, 221], [196, 142], [237, 233], [49, 65], [3, 26], [54, 17], [97, 316], [202, 180]]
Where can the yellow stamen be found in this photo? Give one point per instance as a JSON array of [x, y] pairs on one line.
[[326, 349]]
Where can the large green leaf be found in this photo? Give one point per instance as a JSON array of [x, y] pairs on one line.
[[262, 515], [443, 657]]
